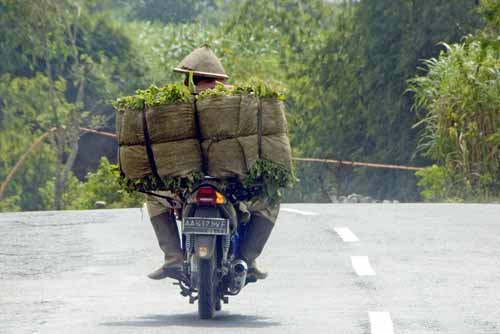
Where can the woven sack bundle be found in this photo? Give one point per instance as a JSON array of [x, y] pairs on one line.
[[173, 159], [169, 122], [223, 117], [235, 157]]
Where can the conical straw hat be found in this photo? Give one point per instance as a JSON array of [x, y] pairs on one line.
[[203, 62]]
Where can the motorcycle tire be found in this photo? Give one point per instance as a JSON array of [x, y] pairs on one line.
[[206, 290]]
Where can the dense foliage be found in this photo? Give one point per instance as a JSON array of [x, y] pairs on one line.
[[61, 63], [260, 89], [102, 185], [153, 96], [364, 113], [166, 11], [460, 98], [345, 66]]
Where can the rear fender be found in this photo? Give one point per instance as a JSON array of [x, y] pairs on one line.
[[204, 246]]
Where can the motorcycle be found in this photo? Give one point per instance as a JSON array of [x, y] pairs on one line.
[[211, 234]]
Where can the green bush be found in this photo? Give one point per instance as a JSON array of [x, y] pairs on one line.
[[102, 185], [461, 128], [10, 204], [432, 182]]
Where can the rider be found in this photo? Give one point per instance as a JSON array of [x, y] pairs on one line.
[[207, 72]]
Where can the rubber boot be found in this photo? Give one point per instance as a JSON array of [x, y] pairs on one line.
[[256, 235], [166, 231]]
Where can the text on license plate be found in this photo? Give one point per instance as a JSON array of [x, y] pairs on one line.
[[198, 225]]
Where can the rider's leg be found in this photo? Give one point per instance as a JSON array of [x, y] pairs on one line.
[[256, 235], [165, 227]]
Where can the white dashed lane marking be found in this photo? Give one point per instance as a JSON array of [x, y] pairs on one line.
[[346, 234], [380, 323], [362, 266], [300, 212]]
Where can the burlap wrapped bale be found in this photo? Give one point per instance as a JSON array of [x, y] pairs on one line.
[[235, 157], [273, 117], [223, 117], [275, 148], [225, 158], [228, 127], [129, 127], [247, 115], [169, 122], [173, 159], [219, 116]]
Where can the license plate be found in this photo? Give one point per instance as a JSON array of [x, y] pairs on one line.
[[199, 225]]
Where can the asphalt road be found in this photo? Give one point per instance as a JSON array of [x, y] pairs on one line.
[[339, 268]]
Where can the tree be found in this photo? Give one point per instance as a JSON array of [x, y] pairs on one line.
[[458, 99], [364, 65], [278, 42], [169, 11], [72, 65]]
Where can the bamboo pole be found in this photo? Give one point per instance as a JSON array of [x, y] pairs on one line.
[[329, 161], [101, 133], [21, 161], [39, 140], [359, 164]]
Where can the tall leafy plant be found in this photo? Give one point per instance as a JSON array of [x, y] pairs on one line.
[[461, 124]]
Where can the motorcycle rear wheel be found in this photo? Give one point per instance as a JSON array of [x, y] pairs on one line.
[[207, 289]]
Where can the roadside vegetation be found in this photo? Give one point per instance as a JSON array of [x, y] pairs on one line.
[[460, 100], [402, 82]]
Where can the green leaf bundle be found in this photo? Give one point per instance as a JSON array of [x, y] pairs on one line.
[[259, 89], [270, 177], [150, 183], [154, 96]]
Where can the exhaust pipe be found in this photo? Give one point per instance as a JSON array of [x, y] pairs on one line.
[[239, 269]]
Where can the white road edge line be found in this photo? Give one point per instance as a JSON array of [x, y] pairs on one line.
[[362, 266], [346, 234], [381, 323], [300, 212]]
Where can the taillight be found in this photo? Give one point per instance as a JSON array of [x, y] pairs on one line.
[[209, 196]]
